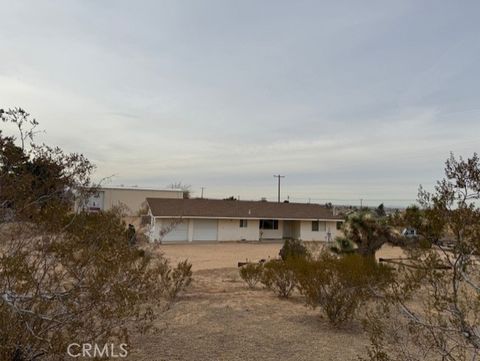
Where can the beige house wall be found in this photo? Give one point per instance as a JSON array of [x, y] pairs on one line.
[[306, 233], [229, 230]]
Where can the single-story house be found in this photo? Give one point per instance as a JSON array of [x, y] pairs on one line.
[[197, 220], [132, 199]]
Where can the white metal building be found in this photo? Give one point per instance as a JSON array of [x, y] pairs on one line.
[[131, 198]]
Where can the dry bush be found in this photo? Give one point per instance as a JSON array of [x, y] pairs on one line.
[[293, 248], [53, 284], [432, 311], [279, 276], [174, 280], [340, 285], [251, 273], [64, 276]]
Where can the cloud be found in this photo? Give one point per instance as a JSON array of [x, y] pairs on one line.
[[347, 99]]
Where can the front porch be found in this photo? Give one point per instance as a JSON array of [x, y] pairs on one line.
[[272, 229], [314, 230]]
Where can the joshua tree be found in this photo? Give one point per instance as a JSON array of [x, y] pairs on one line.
[[367, 232], [380, 210]]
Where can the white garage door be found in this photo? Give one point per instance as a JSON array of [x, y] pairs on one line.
[[205, 229], [175, 232]]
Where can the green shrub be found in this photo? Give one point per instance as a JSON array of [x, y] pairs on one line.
[[279, 276], [251, 273], [293, 248], [340, 285], [175, 279]]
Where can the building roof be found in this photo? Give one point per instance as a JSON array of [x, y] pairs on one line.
[[134, 188], [216, 208]]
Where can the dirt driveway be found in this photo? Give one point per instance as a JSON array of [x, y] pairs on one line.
[[225, 255], [219, 255]]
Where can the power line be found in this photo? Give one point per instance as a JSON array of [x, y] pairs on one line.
[[356, 199]]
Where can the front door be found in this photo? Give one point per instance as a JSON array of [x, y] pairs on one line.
[[288, 229]]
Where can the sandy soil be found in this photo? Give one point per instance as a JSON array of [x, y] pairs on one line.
[[225, 255], [219, 318], [219, 255]]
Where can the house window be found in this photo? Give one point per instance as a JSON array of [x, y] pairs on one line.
[[319, 226], [268, 224], [243, 223], [339, 225]]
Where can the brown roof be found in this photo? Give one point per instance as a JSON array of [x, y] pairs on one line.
[[216, 208]]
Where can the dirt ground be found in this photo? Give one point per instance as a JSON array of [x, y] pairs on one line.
[[225, 255], [219, 318]]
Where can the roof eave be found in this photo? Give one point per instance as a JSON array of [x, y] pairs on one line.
[[252, 218]]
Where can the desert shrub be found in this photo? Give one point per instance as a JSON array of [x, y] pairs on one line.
[[293, 248], [432, 311], [174, 279], [251, 273], [64, 276], [279, 276], [340, 285]]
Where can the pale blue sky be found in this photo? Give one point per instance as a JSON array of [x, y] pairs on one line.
[[348, 99]]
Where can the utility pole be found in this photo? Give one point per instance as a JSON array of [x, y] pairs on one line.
[[361, 203], [202, 192], [279, 177]]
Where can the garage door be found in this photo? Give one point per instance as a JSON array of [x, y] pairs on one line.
[[205, 229], [176, 232]]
